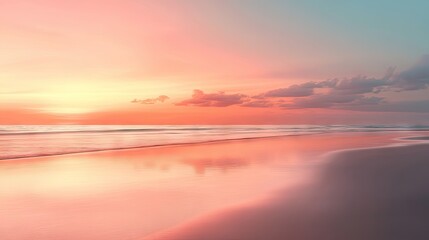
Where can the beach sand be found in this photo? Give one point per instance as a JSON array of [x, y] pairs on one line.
[[374, 193], [278, 188]]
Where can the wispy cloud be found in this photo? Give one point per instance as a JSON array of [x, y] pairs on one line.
[[258, 104], [415, 78], [219, 99], [335, 100], [298, 90], [160, 99]]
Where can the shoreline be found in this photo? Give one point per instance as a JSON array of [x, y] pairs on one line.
[[354, 187], [203, 142], [158, 146]]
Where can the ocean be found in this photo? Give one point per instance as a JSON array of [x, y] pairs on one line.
[[20, 141]]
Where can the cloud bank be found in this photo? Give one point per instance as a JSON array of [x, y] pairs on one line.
[[360, 93]]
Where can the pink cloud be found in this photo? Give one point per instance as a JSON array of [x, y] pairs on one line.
[[160, 99], [219, 99]]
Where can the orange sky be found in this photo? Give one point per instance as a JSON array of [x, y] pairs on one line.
[[83, 62]]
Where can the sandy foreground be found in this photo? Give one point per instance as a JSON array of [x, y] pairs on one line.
[[378, 193], [298, 187]]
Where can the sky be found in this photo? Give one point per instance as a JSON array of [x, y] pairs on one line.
[[214, 62]]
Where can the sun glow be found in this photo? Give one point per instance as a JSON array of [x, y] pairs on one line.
[[68, 110], [78, 98]]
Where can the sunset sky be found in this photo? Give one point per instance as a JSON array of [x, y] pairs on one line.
[[214, 62]]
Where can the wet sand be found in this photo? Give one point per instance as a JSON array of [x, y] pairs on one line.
[[373, 194], [252, 189]]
